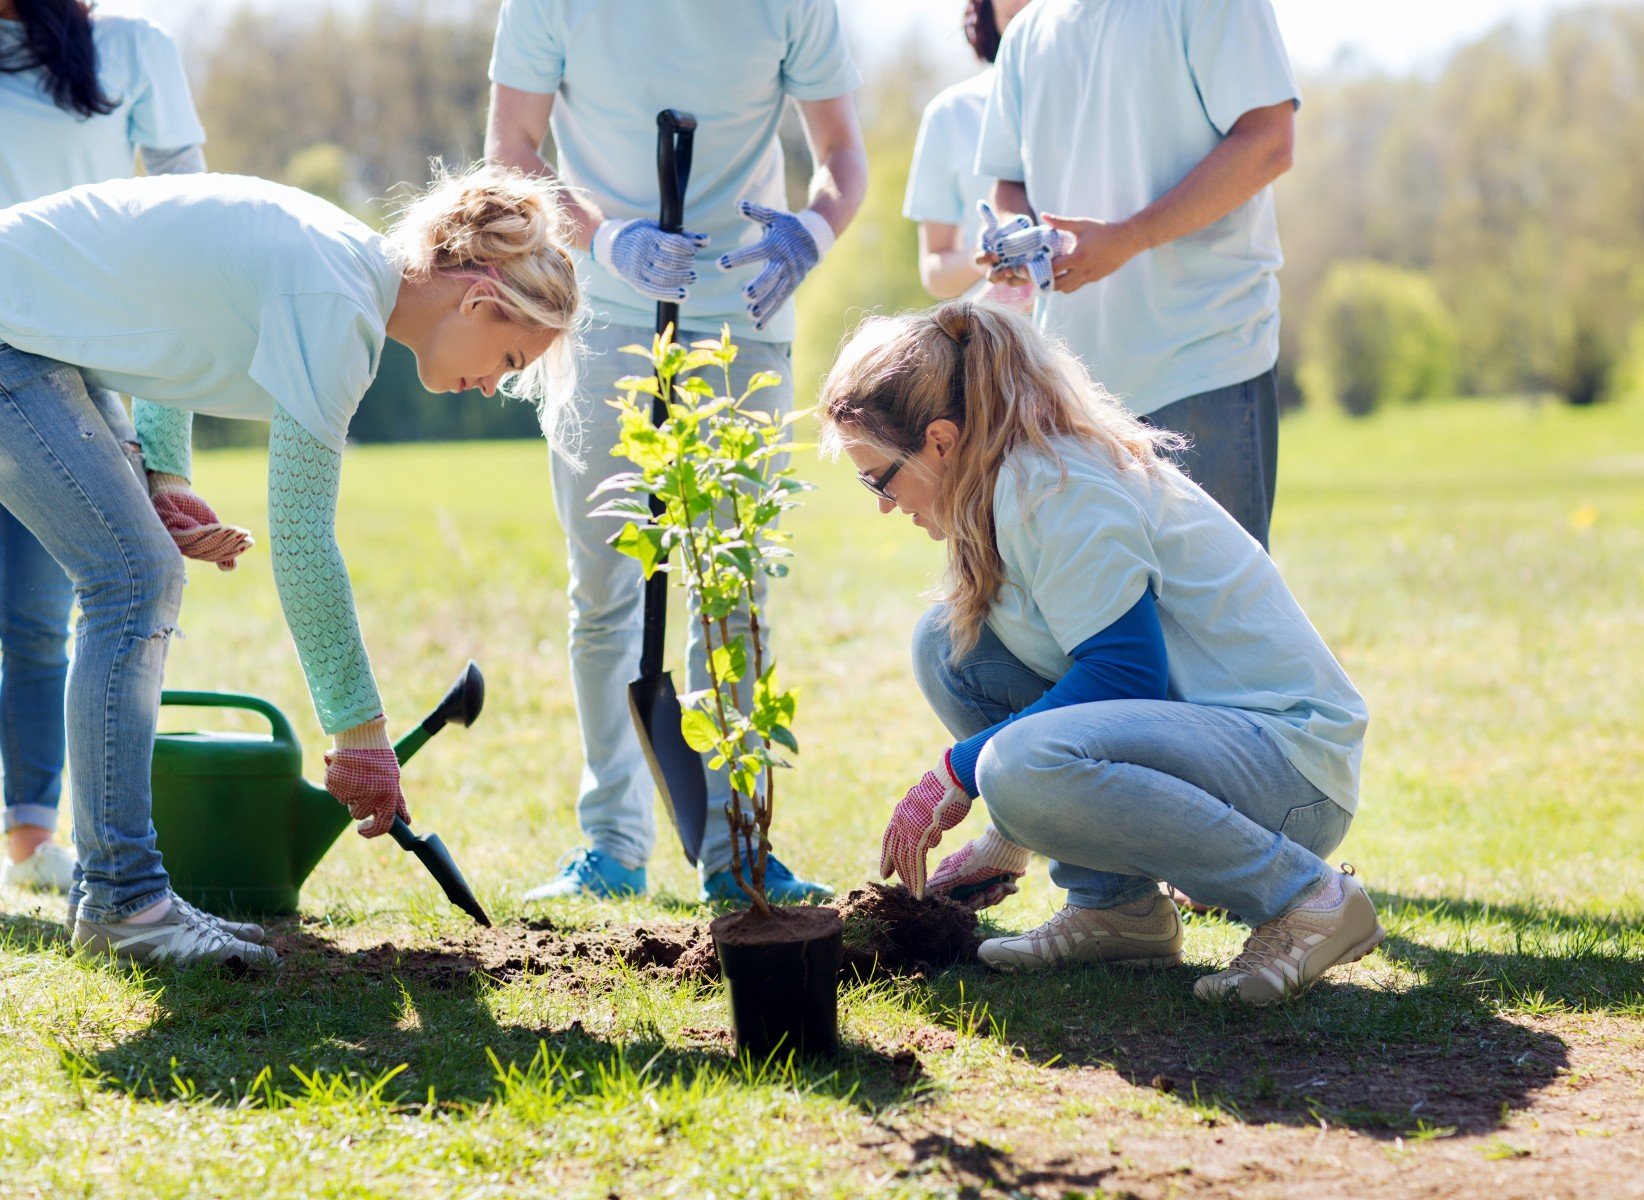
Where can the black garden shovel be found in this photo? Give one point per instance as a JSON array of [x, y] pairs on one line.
[[460, 706], [676, 768]]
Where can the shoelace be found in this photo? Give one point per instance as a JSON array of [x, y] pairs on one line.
[[1270, 941], [205, 933]]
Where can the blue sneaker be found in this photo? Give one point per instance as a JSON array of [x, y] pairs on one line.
[[781, 887], [589, 872]]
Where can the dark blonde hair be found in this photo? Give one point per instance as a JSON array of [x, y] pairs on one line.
[[1006, 386], [509, 227]]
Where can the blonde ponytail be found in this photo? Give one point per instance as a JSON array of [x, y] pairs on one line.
[[510, 227], [1005, 385]]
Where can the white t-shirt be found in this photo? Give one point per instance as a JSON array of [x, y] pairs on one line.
[[214, 293], [44, 148], [1078, 555], [614, 64], [943, 184], [1102, 106]]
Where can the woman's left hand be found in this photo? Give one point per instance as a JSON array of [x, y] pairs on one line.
[[932, 807]]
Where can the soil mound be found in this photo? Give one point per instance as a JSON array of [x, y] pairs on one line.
[[887, 932]]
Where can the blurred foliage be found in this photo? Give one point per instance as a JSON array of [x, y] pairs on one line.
[[1511, 179], [1377, 334]]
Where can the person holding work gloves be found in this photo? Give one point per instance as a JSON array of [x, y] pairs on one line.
[[83, 95], [598, 72], [1135, 693], [245, 299]]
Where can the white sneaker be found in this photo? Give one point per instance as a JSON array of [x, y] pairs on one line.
[[1283, 957], [49, 869], [184, 936], [1084, 935]]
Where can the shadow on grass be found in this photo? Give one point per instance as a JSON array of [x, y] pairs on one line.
[[1437, 1054], [407, 1027]]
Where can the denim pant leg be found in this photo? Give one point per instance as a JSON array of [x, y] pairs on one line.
[[985, 687], [62, 475], [35, 599], [615, 807], [1198, 795], [1234, 454]]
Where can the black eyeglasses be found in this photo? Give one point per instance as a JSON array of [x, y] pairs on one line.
[[878, 485]]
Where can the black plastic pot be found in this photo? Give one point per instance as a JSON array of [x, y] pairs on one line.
[[782, 973]]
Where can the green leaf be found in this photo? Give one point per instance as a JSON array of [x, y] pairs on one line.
[[762, 380], [638, 383], [699, 730], [640, 542], [730, 663], [782, 735]]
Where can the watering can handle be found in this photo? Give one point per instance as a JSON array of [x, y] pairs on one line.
[[279, 726]]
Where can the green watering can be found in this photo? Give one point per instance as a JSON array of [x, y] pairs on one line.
[[240, 828]]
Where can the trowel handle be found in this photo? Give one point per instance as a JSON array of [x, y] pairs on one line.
[[279, 727]]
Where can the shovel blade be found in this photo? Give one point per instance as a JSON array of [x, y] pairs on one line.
[[433, 855], [676, 768]]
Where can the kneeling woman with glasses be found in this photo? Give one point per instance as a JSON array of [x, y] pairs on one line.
[[1136, 693]]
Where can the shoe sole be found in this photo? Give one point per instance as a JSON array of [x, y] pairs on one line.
[[1162, 962]]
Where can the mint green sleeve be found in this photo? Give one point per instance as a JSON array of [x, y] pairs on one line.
[[166, 435], [303, 479]]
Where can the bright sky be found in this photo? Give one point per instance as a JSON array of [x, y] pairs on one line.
[[1397, 34]]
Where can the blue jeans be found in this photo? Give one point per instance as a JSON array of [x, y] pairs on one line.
[[1234, 453], [63, 476], [35, 601], [1122, 793], [615, 807]]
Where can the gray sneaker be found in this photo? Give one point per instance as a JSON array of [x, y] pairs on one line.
[[1085, 935], [1283, 957], [184, 935], [244, 930]]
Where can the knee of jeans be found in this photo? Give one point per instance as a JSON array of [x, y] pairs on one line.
[[148, 585], [1009, 777], [932, 648]]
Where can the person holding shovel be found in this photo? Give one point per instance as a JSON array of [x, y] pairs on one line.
[[82, 95], [1135, 692], [599, 71], [245, 299]]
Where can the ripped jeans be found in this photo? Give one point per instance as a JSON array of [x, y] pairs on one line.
[[63, 475]]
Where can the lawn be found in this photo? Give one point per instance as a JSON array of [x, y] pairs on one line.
[[1476, 567]]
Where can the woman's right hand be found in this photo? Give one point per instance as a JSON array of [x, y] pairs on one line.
[[982, 872], [363, 774], [193, 525]]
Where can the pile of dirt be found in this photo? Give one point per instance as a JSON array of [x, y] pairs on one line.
[[887, 933]]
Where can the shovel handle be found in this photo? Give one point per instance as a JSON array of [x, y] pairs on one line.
[[675, 133]]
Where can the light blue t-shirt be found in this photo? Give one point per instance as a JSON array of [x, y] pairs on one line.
[[1079, 553], [615, 64], [44, 148], [1102, 106], [214, 293], [943, 184]]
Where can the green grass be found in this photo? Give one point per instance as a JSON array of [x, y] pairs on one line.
[[1476, 567]]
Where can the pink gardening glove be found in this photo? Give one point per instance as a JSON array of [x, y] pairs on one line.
[[364, 776], [935, 805], [982, 872], [193, 526]]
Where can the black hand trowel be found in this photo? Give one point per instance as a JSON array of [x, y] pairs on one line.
[[461, 706]]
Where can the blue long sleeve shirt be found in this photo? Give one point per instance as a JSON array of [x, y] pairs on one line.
[[1125, 661]]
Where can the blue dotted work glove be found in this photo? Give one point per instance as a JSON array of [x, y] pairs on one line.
[[1021, 244], [791, 247], [655, 264]]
